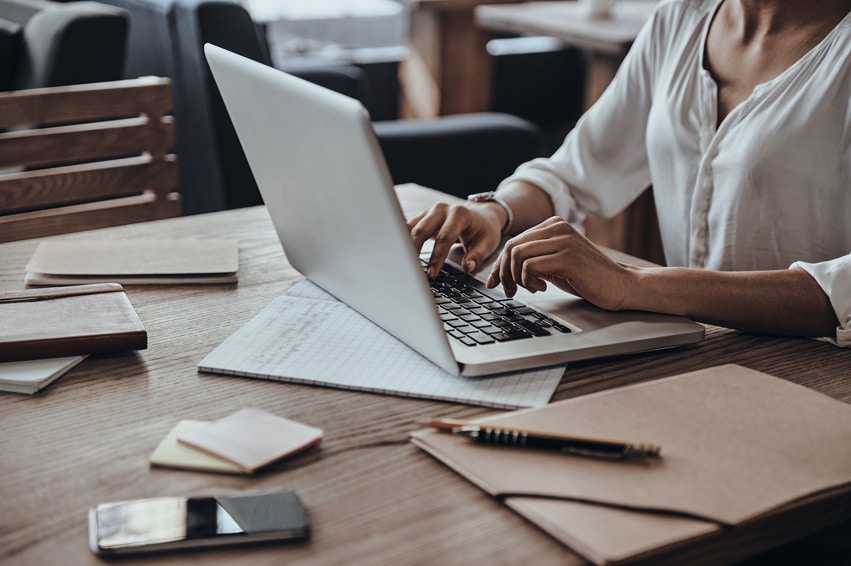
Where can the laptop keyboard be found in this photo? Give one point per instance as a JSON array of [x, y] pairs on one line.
[[475, 315]]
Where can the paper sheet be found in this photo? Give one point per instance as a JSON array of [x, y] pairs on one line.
[[30, 376], [308, 337], [171, 454], [252, 438]]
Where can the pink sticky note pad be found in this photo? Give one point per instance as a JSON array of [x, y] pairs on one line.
[[252, 438]]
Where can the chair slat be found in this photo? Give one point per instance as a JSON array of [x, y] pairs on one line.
[[86, 156], [85, 142], [102, 214], [81, 103], [87, 182]]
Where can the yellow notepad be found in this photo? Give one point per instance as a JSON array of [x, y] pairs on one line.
[[252, 438], [171, 454]]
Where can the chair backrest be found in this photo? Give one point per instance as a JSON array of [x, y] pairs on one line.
[[167, 39], [46, 43], [86, 156]]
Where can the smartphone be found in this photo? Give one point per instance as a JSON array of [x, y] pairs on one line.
[[172, 523]]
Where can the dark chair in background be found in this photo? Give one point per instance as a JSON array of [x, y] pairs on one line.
[[457, 154], [166, 39], [538, 79], [45, 43]]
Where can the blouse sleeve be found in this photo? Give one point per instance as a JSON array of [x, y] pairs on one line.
[[834, 277], [602, 165]]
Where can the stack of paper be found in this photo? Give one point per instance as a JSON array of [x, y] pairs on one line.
[[31, 376], [241, 443]]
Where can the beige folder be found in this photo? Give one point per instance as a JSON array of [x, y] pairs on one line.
[[744, 454], [134, 262]]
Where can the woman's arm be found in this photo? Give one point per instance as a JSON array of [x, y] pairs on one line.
[[783, 302]]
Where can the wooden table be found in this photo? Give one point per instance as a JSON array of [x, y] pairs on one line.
[[373, 498]]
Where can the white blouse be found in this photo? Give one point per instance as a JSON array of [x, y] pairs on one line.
[[769, 187]]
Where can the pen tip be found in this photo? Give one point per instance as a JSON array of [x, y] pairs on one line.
[[444, 425]]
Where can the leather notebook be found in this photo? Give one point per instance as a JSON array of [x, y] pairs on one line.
[[67, 321]]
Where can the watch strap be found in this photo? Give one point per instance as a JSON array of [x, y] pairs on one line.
[[492, 196]]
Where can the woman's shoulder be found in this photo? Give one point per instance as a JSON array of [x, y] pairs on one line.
[[675, 25], [679, 12]]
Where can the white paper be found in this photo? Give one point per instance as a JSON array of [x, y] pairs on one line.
[[308, 337], [29, 376]]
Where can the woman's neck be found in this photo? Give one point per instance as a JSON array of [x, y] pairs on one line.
[[758, 19]]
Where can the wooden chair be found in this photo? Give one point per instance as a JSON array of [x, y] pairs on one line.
[[86, 156]]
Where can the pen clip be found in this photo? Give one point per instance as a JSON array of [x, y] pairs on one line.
[[608, 455]]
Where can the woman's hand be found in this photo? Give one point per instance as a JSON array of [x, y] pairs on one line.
[[554, 252], [477, 226]]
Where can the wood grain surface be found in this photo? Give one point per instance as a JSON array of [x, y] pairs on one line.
[[372, 497]]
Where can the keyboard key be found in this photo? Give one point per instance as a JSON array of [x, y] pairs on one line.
[[508, 336], [481, 338], [533, 327], [474, 315], [524, 310]]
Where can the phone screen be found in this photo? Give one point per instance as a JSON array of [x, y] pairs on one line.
[[186, 522]]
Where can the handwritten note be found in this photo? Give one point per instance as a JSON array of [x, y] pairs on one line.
[[309, 337]]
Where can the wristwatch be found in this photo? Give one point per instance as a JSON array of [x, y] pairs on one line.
[[491, 196]]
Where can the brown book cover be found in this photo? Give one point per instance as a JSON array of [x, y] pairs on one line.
[[67, 321]]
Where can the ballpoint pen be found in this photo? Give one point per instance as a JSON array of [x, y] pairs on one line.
[[30, 295], [566, 444]]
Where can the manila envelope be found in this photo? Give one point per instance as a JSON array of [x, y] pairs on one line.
[[737, 446]]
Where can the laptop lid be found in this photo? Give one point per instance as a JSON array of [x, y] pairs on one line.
[[323, 178]]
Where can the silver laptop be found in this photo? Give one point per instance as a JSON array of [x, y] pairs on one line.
[[323, 178]]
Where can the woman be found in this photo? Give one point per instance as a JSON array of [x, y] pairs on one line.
[[738, 113]]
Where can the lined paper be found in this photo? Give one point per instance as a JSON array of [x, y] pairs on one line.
[[306, 336]]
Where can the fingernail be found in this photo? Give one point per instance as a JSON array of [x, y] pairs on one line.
[[432, 272], [470, 265]]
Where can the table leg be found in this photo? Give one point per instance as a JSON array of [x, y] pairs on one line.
[[448, 70]]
